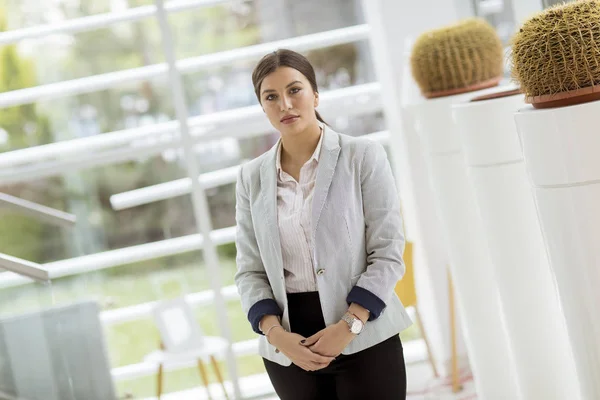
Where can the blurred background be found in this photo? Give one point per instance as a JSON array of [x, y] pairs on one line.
[[88, 126]]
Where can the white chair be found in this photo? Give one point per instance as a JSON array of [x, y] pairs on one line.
[[183, 342]]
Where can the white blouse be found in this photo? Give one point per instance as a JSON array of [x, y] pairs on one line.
[[294, 209]]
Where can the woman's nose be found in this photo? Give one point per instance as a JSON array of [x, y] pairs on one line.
[[286, 103]]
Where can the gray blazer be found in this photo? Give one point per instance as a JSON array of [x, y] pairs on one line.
[[357, 231]]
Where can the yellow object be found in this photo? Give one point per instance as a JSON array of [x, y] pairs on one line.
[[456, 386], [458, 58], [405, 288], [407, 293]]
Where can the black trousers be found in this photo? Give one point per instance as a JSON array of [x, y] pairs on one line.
[[374, 373]]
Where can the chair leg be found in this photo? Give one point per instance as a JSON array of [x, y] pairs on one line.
[[429, 352], [159, 383], [219, 376], [204, 377], [456, 386]]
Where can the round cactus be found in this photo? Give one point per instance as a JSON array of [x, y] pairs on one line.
[[458, 58], [558, 51]]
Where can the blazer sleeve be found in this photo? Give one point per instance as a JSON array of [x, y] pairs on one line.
[[251, 279], [383, 233]]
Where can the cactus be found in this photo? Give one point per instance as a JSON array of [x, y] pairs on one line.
[[558, 49], [458, 58]]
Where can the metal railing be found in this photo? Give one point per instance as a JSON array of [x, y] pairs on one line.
[[148, 251], [27, 269], [38, 211], [99, 21], [109, 80], [109, 148]]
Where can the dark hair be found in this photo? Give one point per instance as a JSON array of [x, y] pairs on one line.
[[284, 58]]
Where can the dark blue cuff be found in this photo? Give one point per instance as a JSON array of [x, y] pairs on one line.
[[259, 310], [366, 299]]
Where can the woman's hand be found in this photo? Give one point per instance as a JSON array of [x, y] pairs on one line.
[[331, 340], [289, 344]]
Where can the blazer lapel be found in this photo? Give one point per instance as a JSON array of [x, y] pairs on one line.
[[327, 163], [268, 184]]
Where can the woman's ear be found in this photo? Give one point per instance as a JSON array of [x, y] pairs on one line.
[[316, 99]]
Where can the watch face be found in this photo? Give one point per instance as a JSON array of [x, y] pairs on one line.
[[357, 326]]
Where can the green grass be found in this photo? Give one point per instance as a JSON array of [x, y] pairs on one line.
[[133, 284]]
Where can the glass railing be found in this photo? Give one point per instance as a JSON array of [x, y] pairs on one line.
[[50, 352]]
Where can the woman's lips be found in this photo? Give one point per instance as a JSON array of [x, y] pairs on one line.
[[290, 119]]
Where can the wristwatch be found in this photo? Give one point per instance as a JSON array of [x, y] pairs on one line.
[[354, 324]]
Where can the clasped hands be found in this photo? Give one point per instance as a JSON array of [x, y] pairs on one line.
[[316, 352]]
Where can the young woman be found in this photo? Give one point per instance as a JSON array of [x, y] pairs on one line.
[[320, 243]]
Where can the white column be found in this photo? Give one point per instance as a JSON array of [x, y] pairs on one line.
[[199, 201], [535, 324], [392, 22], [471, 265], [560, 147]]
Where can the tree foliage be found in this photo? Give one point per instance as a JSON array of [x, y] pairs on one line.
[[22, 123]]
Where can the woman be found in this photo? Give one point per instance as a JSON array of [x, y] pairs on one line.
[[320, 243]]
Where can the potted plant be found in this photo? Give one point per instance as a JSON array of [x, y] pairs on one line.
[[555, 58], [449, 64]]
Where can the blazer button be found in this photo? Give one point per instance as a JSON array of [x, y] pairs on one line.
[[320, 271]]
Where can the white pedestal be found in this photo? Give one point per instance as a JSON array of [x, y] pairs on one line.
[[476, 290], [536, 326], [431, 277], [561, 147]]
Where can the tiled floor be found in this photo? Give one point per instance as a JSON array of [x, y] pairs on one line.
[[421, 386], [421, 383]]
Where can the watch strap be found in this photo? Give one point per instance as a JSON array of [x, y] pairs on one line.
[[350, 318]]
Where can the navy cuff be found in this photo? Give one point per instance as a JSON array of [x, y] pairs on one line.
[[259, 310], [367, 300]]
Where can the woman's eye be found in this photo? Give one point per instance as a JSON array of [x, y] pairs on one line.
[[270, 97], [294, 90]]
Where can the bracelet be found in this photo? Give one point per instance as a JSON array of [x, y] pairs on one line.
[[269, 330]]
